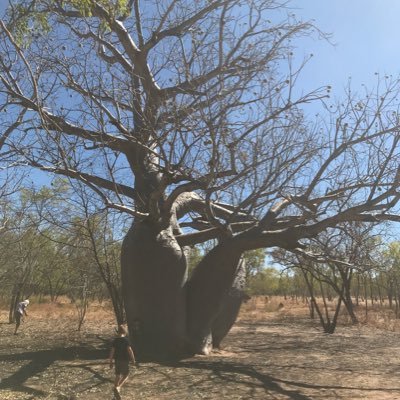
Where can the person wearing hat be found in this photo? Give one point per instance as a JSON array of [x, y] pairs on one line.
[[20, 311]]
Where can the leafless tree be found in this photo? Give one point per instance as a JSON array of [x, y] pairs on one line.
[[187, 116], [336, 256], [83, 233], [103, 248]]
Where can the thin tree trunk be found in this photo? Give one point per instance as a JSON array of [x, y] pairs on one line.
[[346, 294], [371, 289], [314, 302], [358, 290], [366, 297]]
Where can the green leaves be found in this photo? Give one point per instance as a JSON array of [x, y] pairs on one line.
[[28, 19], [83, 6], [116, 8]]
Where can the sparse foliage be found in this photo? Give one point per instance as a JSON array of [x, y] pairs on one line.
[[186, 116]]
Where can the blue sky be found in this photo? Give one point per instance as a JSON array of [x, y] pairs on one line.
[[366, 37]]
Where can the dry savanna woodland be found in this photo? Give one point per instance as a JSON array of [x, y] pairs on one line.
[[189, 117], [272, 352]]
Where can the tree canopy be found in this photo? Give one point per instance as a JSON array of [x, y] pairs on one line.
[[196, 102], [189, 117]]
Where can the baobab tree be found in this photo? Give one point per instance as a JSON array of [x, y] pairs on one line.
[[186, 115]]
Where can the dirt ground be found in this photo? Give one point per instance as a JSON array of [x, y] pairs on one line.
[[271, 353]]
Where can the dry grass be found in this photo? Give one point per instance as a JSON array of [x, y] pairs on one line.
[[258, 308], [63, 308], [273, 352], [261, 308]]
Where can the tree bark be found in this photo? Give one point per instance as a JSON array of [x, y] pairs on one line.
[[347, 276], [230, 307], [168, 317], [153, 277], [207, 290]]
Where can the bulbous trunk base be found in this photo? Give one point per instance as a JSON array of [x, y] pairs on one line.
[[230, 308], [153, 277], [167, 318], [207, 294]]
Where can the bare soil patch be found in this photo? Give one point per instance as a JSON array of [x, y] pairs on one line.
[[271, 353]]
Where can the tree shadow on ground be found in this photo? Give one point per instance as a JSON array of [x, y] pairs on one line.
[[234, 373], [39, 361]]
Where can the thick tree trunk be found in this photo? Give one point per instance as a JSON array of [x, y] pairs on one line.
[[153, 278], [207, 289], [166, 317], [230, 307]]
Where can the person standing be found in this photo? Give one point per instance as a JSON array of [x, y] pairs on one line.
[[121, 353], [20, 312]]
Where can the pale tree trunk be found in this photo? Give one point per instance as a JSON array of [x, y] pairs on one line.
[[153, 278], [230, 307], [207, 289], [167, 316]]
